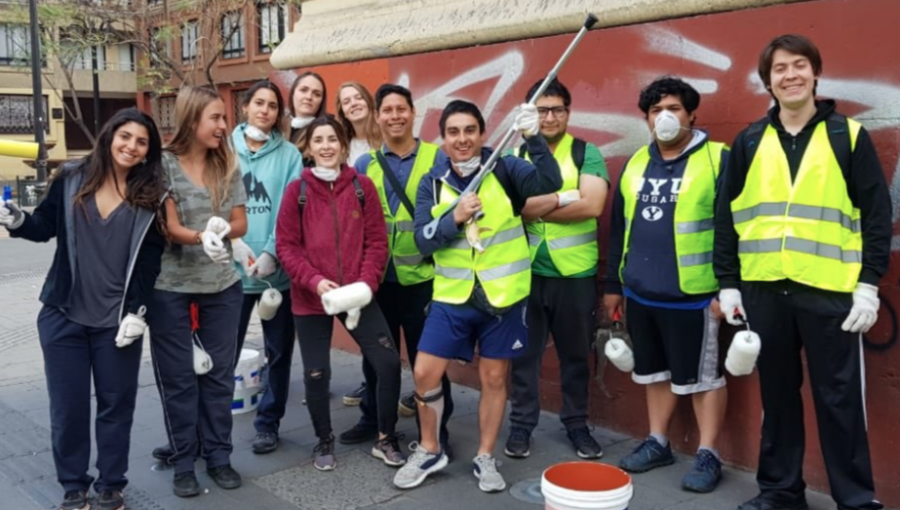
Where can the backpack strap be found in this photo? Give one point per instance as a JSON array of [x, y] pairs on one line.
[[360, 195], [578, 148], [842, 140], [753, 136], [301, 200]]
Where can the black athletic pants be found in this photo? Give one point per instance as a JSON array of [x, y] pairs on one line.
[[789, 317]]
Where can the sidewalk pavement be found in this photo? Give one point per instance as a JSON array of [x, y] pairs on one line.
[[286, 479]]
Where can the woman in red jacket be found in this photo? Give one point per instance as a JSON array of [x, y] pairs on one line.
[[331, 234]]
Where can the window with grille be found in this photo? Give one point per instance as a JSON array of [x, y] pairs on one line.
[[237, 97], [15, 44], [233, 35], [273, 19], [190, 34], [17, 114], [164, 113]]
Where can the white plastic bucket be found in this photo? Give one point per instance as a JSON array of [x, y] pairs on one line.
[[245, 401], [248, 369], [586, 486]]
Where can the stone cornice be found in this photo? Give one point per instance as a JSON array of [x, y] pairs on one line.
[[333, 31]]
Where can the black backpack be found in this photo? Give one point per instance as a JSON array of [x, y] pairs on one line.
[[838, 136], [578, 148], [301, 200]]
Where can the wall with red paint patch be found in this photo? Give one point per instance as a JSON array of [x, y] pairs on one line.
[[718, 55]]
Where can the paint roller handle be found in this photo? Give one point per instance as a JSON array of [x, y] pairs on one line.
[[739, 316], [590, 21], [195, 316]]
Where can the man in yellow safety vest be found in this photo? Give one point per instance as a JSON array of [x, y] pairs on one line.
[[803, 235], [482, 278], [562, 234], [660, 260]]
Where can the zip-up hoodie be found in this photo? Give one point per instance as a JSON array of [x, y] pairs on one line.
[[336, 239], [266, 173], [54, 217]]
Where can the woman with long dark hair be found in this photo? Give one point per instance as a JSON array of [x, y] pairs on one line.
[[307, 101], [205, 212], [103, 211], [330, 237], [268, 163]]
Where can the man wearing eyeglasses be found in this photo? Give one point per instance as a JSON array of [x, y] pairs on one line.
[[562, 233]]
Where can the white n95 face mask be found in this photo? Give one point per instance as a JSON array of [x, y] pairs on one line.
[[667, 126], [468, 167], [254, 133]]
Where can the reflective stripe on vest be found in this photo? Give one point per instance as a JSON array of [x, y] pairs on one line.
[[573, 246], [806, 230], [693, 219], [410, 265], [504, 269]]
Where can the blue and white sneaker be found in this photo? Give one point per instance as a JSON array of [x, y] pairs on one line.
[[648, 455], [489, 479], [419, 465]]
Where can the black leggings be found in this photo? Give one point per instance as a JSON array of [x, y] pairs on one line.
[[374, 339]]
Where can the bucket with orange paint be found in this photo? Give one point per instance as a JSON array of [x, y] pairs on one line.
[[586, 486]]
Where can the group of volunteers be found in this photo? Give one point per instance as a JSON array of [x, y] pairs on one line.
[[788, 231]]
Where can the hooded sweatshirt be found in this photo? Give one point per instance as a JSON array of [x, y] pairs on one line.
[[335, 238], [266, 174], [650, 274]]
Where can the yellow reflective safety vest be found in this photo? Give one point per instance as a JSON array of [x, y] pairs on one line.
[[504, 269], [411, 266], [693, 218], [573, 246], [807, 230]]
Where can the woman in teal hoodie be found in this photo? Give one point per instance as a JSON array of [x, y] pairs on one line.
[[268, 163]]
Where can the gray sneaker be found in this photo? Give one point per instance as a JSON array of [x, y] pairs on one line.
[[324, 453], [489, 479], [388, 450], [417, 468]]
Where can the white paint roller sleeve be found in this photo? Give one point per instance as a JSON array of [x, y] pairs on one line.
[[743, 353], [346, 298], [268, 304], [620, 354]]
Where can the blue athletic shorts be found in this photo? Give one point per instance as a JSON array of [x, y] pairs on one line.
[[453, 331]]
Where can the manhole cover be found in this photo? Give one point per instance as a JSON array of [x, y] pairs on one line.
[[528, 491]]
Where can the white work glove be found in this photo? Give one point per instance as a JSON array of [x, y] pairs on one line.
[[214, 247], [264, 266], [131, 328], [567, 197], [865, 309], [242, 254], [11, 216], [730, 301], [527, 120], [218, 226], [352, 319]]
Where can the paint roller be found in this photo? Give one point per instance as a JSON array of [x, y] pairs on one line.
[[744, 350], [350, 299], [14, 149], [617, 349]]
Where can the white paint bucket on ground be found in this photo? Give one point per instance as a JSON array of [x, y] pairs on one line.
[[247, 383], [586, 486]]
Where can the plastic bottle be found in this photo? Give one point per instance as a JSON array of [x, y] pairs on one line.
[[7, 193]]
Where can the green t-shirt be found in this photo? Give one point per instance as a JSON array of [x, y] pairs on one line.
[[543, 265]]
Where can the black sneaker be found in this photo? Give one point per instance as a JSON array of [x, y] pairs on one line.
[[355, 397], [518, 445], [163, 453], [359, 434], [763, 503], [265, 442], [110, 500], [705, 474], [75, 500], [585, 445], [185, 485], [407, 406], [225, 477]]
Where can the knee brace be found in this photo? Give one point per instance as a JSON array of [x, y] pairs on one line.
[[434, 400]]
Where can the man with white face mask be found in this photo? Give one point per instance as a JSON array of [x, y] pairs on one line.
[[660, 259]]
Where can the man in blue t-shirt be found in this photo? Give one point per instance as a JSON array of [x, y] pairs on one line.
[[660, 261]]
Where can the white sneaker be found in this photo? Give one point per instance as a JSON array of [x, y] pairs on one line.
[[417, 468], [489, 479]]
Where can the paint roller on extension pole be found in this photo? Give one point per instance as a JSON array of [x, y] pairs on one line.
[[14, 149], [488, 166]]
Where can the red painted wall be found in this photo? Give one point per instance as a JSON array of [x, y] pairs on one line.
[[718, 54]]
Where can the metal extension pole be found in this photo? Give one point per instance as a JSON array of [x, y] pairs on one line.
[[488, 166]]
